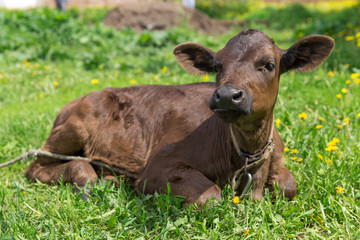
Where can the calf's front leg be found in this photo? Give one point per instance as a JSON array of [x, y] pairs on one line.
[[285, 181], [184, 181], [259, 180], [279, 173]]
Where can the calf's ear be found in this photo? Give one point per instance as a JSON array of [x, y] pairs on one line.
[[307, 53], [195, 58]]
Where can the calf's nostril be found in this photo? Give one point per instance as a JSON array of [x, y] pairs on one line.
[[217, 96], [238, 96]]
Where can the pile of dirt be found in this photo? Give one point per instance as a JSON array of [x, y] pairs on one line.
[[161, 16]]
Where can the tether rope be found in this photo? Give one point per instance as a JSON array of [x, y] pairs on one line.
[[39, 152]]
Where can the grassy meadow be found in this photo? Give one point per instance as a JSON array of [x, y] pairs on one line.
[[48, 58]]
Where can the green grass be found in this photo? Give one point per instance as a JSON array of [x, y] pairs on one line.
[[29, 102]]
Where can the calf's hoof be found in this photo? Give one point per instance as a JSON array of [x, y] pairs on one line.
[[84, 191], [109, 181]]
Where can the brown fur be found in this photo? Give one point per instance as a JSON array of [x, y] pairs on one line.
[[167, 134]]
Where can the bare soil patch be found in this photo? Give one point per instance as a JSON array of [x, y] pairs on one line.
[[163, 15]]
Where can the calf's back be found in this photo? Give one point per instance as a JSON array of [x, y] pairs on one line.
[[123, 127]]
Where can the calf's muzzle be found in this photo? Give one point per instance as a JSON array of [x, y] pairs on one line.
[[229, 103]]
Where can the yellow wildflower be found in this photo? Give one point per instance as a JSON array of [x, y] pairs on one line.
[[164, 69], [358, 114], [321, 157], [320, 220], [206, 78], [56, 83], [293, 158], [94, 81], [287, 149], [331, 148], [357, 35], [294, 151], [236, 200], [338, 96], [331, 74], [328, 161], [282, 221], [27, 63], [346, 121], [332, 144], [349, 38], [318, 126], [344, 90], [357, 80], [300, 159], [354, 75], [58, 223], [290, 95], [303, 115], [132, 81], [321, 119], [339, 190], [277, 122], [348, 82], [156, 78], [247, 231], [46, 67]]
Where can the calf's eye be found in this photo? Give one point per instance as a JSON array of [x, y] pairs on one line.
[[269, 67]]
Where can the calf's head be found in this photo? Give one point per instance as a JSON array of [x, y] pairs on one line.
[[248, 69]]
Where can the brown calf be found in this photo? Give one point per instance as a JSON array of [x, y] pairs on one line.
[[168, 134], [239, 140]]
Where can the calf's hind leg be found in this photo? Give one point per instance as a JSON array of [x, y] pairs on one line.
[[66, 138], [77, 172]]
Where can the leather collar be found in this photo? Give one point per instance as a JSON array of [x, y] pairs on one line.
[[251, 161]]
